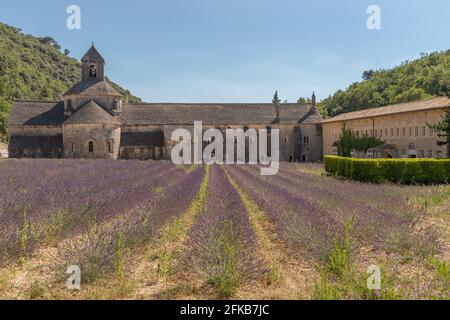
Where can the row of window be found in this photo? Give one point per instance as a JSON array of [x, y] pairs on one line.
[[392, 132], [411, 154]]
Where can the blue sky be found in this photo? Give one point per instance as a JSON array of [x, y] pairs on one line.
[[238, 50]]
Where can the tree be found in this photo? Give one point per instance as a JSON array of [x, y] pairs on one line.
[[302, 100], [66, 52], [275, 97], [443, 130], [349, 141], [368, 75], [5, 107], [345, 143], [424, 78], [50, 41]]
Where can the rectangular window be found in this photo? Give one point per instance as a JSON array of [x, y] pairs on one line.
[[392, 132], [416, 131], [424, 131], [403, 132], [398, 132], [410, 131]]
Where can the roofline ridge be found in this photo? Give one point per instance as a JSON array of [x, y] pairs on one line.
[[215, 103], [39, 101], [334, 119], [398, 104]]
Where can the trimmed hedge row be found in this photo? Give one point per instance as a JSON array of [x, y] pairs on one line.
[[406, 171]]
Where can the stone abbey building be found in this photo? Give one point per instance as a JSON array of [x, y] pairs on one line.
[[403, 127], [94, 121]]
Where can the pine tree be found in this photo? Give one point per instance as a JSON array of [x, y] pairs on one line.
[[275, 97], [443, 130]]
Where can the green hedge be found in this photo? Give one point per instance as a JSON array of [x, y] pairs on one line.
[[407, 171]]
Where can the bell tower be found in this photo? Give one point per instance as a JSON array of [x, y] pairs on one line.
[[93, 65]]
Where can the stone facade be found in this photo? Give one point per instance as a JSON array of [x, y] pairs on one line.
[[94, 121], [403, 127]]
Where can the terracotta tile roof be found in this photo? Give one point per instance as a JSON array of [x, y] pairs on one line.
[[436, 103]]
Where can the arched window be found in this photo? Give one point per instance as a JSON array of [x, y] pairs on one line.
[[93, 71], [91, 146]]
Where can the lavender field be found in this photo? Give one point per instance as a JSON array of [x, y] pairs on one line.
[[153, 230]]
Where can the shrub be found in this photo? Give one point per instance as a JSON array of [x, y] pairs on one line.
[[406, 171], [446, 164]]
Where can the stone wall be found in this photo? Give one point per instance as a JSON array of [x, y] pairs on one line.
[[290, 137], [91, 141], [142, 142], [79, 100], [35, 142], [311, 143]]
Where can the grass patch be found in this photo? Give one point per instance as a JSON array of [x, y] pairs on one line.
[[227, 278]]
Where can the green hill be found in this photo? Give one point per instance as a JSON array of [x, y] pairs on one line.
[[420, 79], [35, 68]]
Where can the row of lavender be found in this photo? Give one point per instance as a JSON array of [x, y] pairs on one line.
[[107, 248], [384, 215], [222, 242], [314, 213], [50, 200]]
